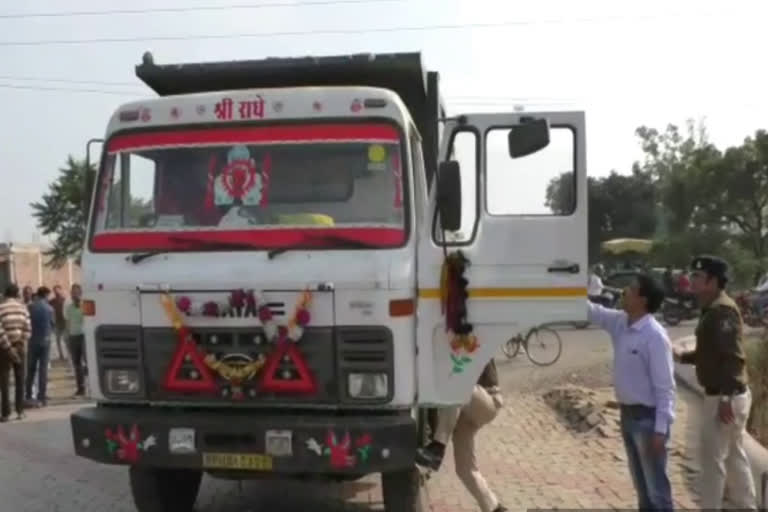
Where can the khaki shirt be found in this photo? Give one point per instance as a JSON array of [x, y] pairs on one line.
[[719, 354]]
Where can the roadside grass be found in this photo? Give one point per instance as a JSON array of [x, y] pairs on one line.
[[757, 365]]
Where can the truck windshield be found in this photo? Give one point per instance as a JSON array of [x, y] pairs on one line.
[[266, 187]]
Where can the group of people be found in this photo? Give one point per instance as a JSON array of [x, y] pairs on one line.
[[28, 323], [644, 384]]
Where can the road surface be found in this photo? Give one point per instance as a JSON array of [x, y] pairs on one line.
[[39, 473]]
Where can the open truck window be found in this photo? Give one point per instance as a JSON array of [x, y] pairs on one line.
[[263, 186]]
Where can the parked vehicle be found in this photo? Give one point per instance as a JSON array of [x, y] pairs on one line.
[[750, 312], [263, 237], [678, 309]]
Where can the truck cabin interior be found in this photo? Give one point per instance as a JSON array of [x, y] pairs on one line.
[[402, 73]]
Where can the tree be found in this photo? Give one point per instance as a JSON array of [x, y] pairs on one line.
[[712, 201], [733, 193], [620, 206], [60, 212]]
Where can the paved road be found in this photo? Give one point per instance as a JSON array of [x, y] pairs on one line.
[[39, 473]]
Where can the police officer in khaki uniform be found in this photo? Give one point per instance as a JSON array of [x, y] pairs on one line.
[[463, 423], [721, 371]]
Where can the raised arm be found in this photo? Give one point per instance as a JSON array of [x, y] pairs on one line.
[[605, 318]]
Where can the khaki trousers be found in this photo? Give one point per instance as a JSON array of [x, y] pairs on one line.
[[462, 424], [723, 457]]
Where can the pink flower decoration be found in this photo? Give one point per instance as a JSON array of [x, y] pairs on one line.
[[282, 332], [237, 299], [210, 309], [250, 299], [302, 317], [183, 303], [265, 314]]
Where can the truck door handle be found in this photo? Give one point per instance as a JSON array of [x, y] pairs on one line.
[[573, 268]]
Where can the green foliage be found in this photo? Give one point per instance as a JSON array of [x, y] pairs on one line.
[[620, 206], [60, 212]]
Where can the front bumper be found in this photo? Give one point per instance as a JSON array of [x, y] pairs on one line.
[[309, 443]]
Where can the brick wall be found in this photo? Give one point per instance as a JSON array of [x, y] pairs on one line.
[[30, 269]]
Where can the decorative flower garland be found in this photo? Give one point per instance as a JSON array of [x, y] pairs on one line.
[[294, 330], [242, 303], [453, 302]]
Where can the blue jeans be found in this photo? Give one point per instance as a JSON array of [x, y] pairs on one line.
[[649, 471], [37, 361]]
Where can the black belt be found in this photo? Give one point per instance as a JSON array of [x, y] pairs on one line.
[[739, 389]]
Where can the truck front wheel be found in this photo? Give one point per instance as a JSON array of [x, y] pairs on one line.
[[402, 491], [164, 490]]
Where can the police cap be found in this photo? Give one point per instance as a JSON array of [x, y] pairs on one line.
[[712, 265]]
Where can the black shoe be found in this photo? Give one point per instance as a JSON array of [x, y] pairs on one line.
[[501, 508], [4, 419], [431, 456], [79, 394], [20, 416]]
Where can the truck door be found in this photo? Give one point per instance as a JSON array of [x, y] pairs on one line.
[[524, 231]]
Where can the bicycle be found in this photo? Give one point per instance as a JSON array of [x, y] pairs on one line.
[[540, 339]]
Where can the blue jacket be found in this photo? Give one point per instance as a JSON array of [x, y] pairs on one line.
[[41, 316]]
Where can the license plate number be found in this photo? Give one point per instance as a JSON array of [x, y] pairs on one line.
[[279, 443], [245, 461]]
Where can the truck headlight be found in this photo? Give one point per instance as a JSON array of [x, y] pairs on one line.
[[368, 385], [122, 382]]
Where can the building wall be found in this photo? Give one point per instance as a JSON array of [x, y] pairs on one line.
[[28, 268]]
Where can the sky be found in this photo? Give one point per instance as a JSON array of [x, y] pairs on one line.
[[625, 64]]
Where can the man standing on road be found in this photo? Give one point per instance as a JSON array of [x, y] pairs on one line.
[[57, 303], [41, 317], [644, 382], [75, 338], [722, 371], [14, 334]]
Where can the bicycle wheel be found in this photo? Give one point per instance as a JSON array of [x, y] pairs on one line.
[[543, 346], [511, 347]]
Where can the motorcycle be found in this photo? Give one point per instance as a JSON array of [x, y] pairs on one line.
[[677, 309], [749, 313]]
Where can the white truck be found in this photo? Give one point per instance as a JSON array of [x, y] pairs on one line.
[[262, 271]]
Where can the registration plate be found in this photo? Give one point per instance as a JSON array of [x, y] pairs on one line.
[[278, 443], [244, 461]]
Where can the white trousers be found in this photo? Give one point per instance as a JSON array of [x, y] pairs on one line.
[[723, 457], [462, 424]]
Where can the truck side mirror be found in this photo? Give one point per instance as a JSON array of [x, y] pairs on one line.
[[449, 195], [90, 178], [528, 137]]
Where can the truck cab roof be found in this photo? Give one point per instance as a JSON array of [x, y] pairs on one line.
[[402, 73]]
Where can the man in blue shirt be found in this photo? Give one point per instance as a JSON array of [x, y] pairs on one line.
[[41, 316], [644, 382]]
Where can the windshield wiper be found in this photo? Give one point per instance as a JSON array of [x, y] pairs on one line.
[[342, 241], [194, 242]]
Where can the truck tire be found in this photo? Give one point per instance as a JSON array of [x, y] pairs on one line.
[[402, 491], [164, 490]]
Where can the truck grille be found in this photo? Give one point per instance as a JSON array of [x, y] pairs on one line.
[[240, 344]]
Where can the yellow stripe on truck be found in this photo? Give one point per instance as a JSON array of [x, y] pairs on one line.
[[512, 293]]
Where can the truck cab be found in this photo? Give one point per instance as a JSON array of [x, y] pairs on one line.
[[262, 271]]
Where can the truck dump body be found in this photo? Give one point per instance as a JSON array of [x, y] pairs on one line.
[[402, 73]]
